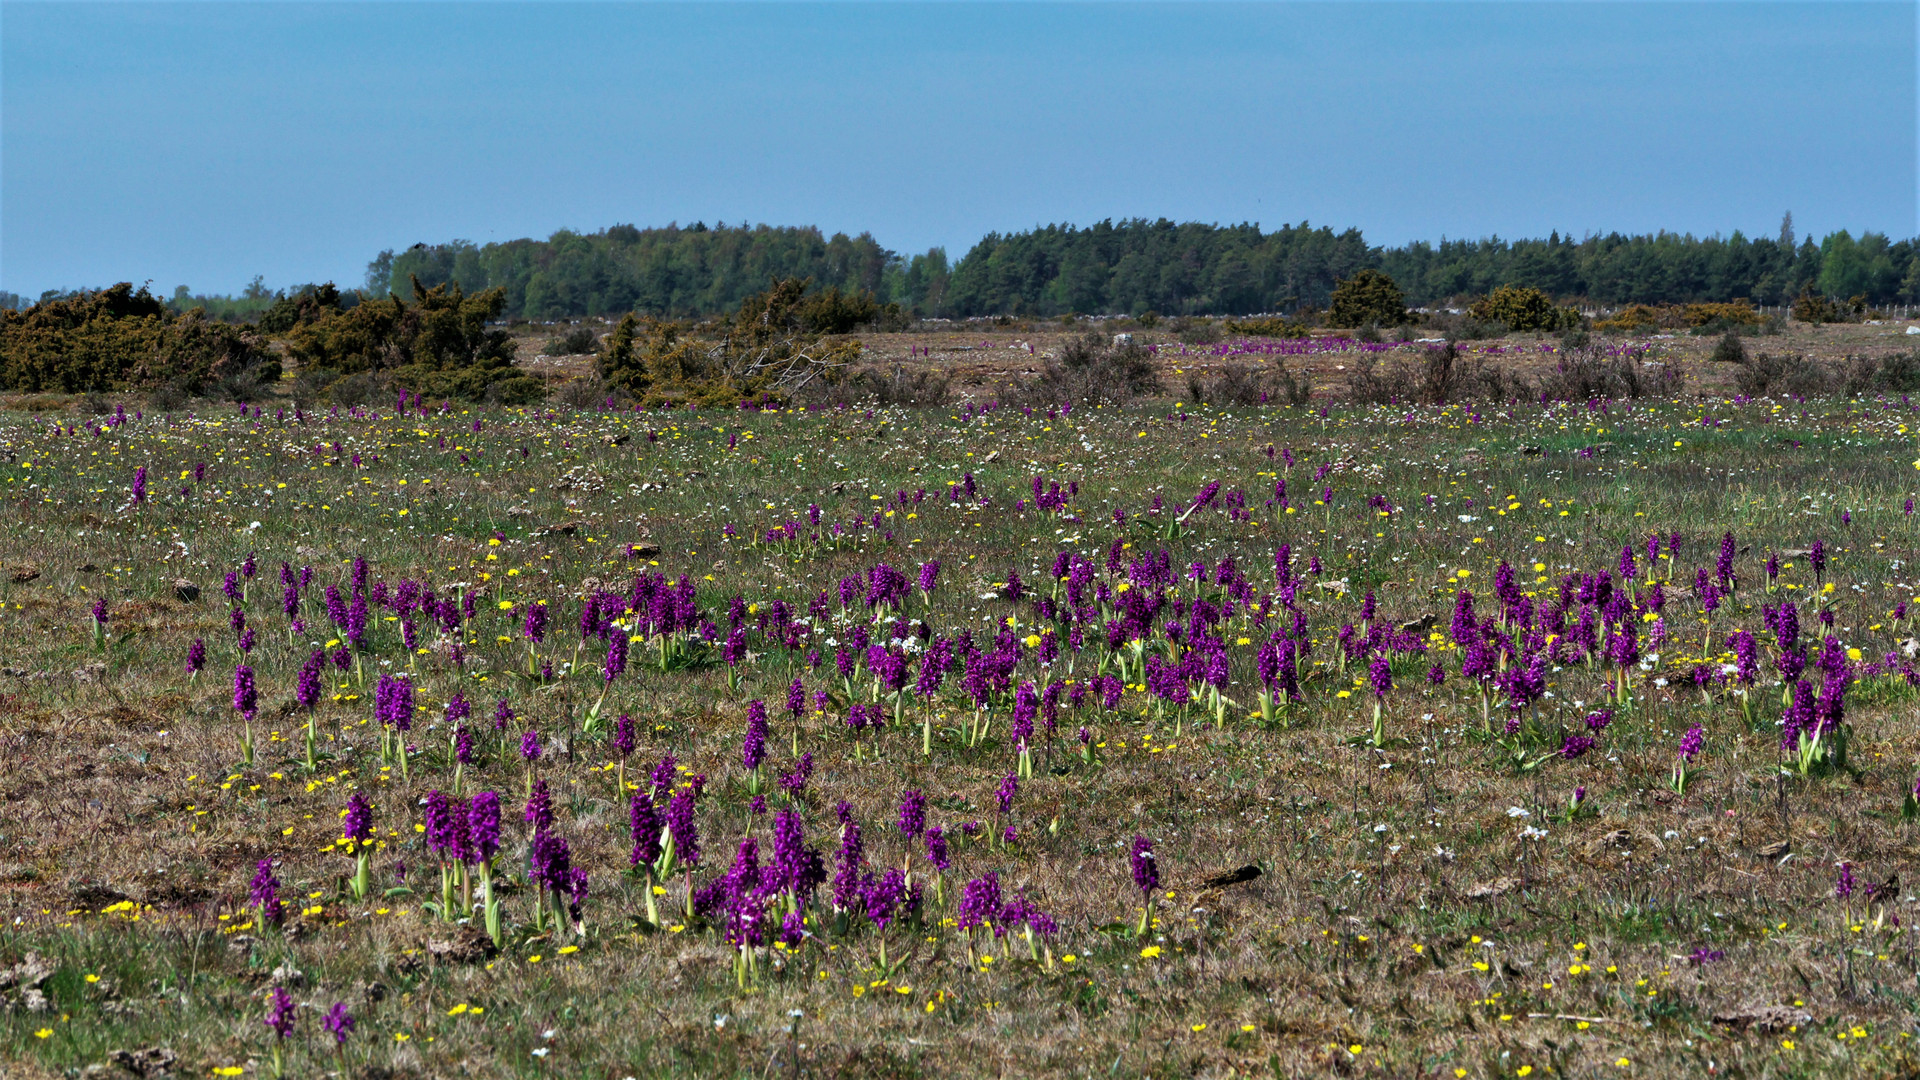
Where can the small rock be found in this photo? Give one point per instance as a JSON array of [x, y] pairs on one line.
[[95, 894], [470, 945], [151, 1061], [1231, 877], [1616, 838], [1765, 1018], [26, 976], [1487, 890]]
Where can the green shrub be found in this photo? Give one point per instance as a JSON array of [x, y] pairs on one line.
[[1091, 369], [1267, 327], [1368, 298], [1813, 307], [1793, 374], [919, 388], [1522, 309], [1730, 350], [1196, 331], [1584, 374], [119, 339], [309, 304], [580, 339], [775, 346], [1895, 374], [438, 346], [638, 357], [1737, 312], [831, 311], [1251, 384]]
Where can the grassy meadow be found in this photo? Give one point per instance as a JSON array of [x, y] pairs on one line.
[[1559, 833]]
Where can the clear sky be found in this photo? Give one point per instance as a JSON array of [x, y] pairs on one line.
[[202, 144]]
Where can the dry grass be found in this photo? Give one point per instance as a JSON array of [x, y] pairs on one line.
[[1403, 924]]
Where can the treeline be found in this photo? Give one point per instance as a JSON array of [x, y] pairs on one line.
[[1128, 267], [1665, 268], [673, 272], [1136, 266]]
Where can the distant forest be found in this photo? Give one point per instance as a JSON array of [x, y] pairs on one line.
[[1127, 267], [1132, 267]]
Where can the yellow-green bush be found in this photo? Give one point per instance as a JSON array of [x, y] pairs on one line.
[[1522, 308], [438, 346], [1734, 311], [1267, 327], [122, 339], [774, 347]]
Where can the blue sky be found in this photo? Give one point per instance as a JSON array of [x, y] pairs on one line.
[[202, 144]]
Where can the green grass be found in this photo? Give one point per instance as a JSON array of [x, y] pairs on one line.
[[1388, 874]]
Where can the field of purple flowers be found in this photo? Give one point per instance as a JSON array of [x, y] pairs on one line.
[[1173, 740]]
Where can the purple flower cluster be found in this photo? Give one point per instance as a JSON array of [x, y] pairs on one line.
[[616, 662], [450, 827], [356, 825], [246, 697], [794, 782], [753, 748], [483, 826], [306, 688], [913, 814], [1380, 676], [680, 825], [539, 810], [263, 892], [393, 702], [1146, 872], [280, 1008], [980, 901], [1003, 795], [1692, 742], [643, 824]]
